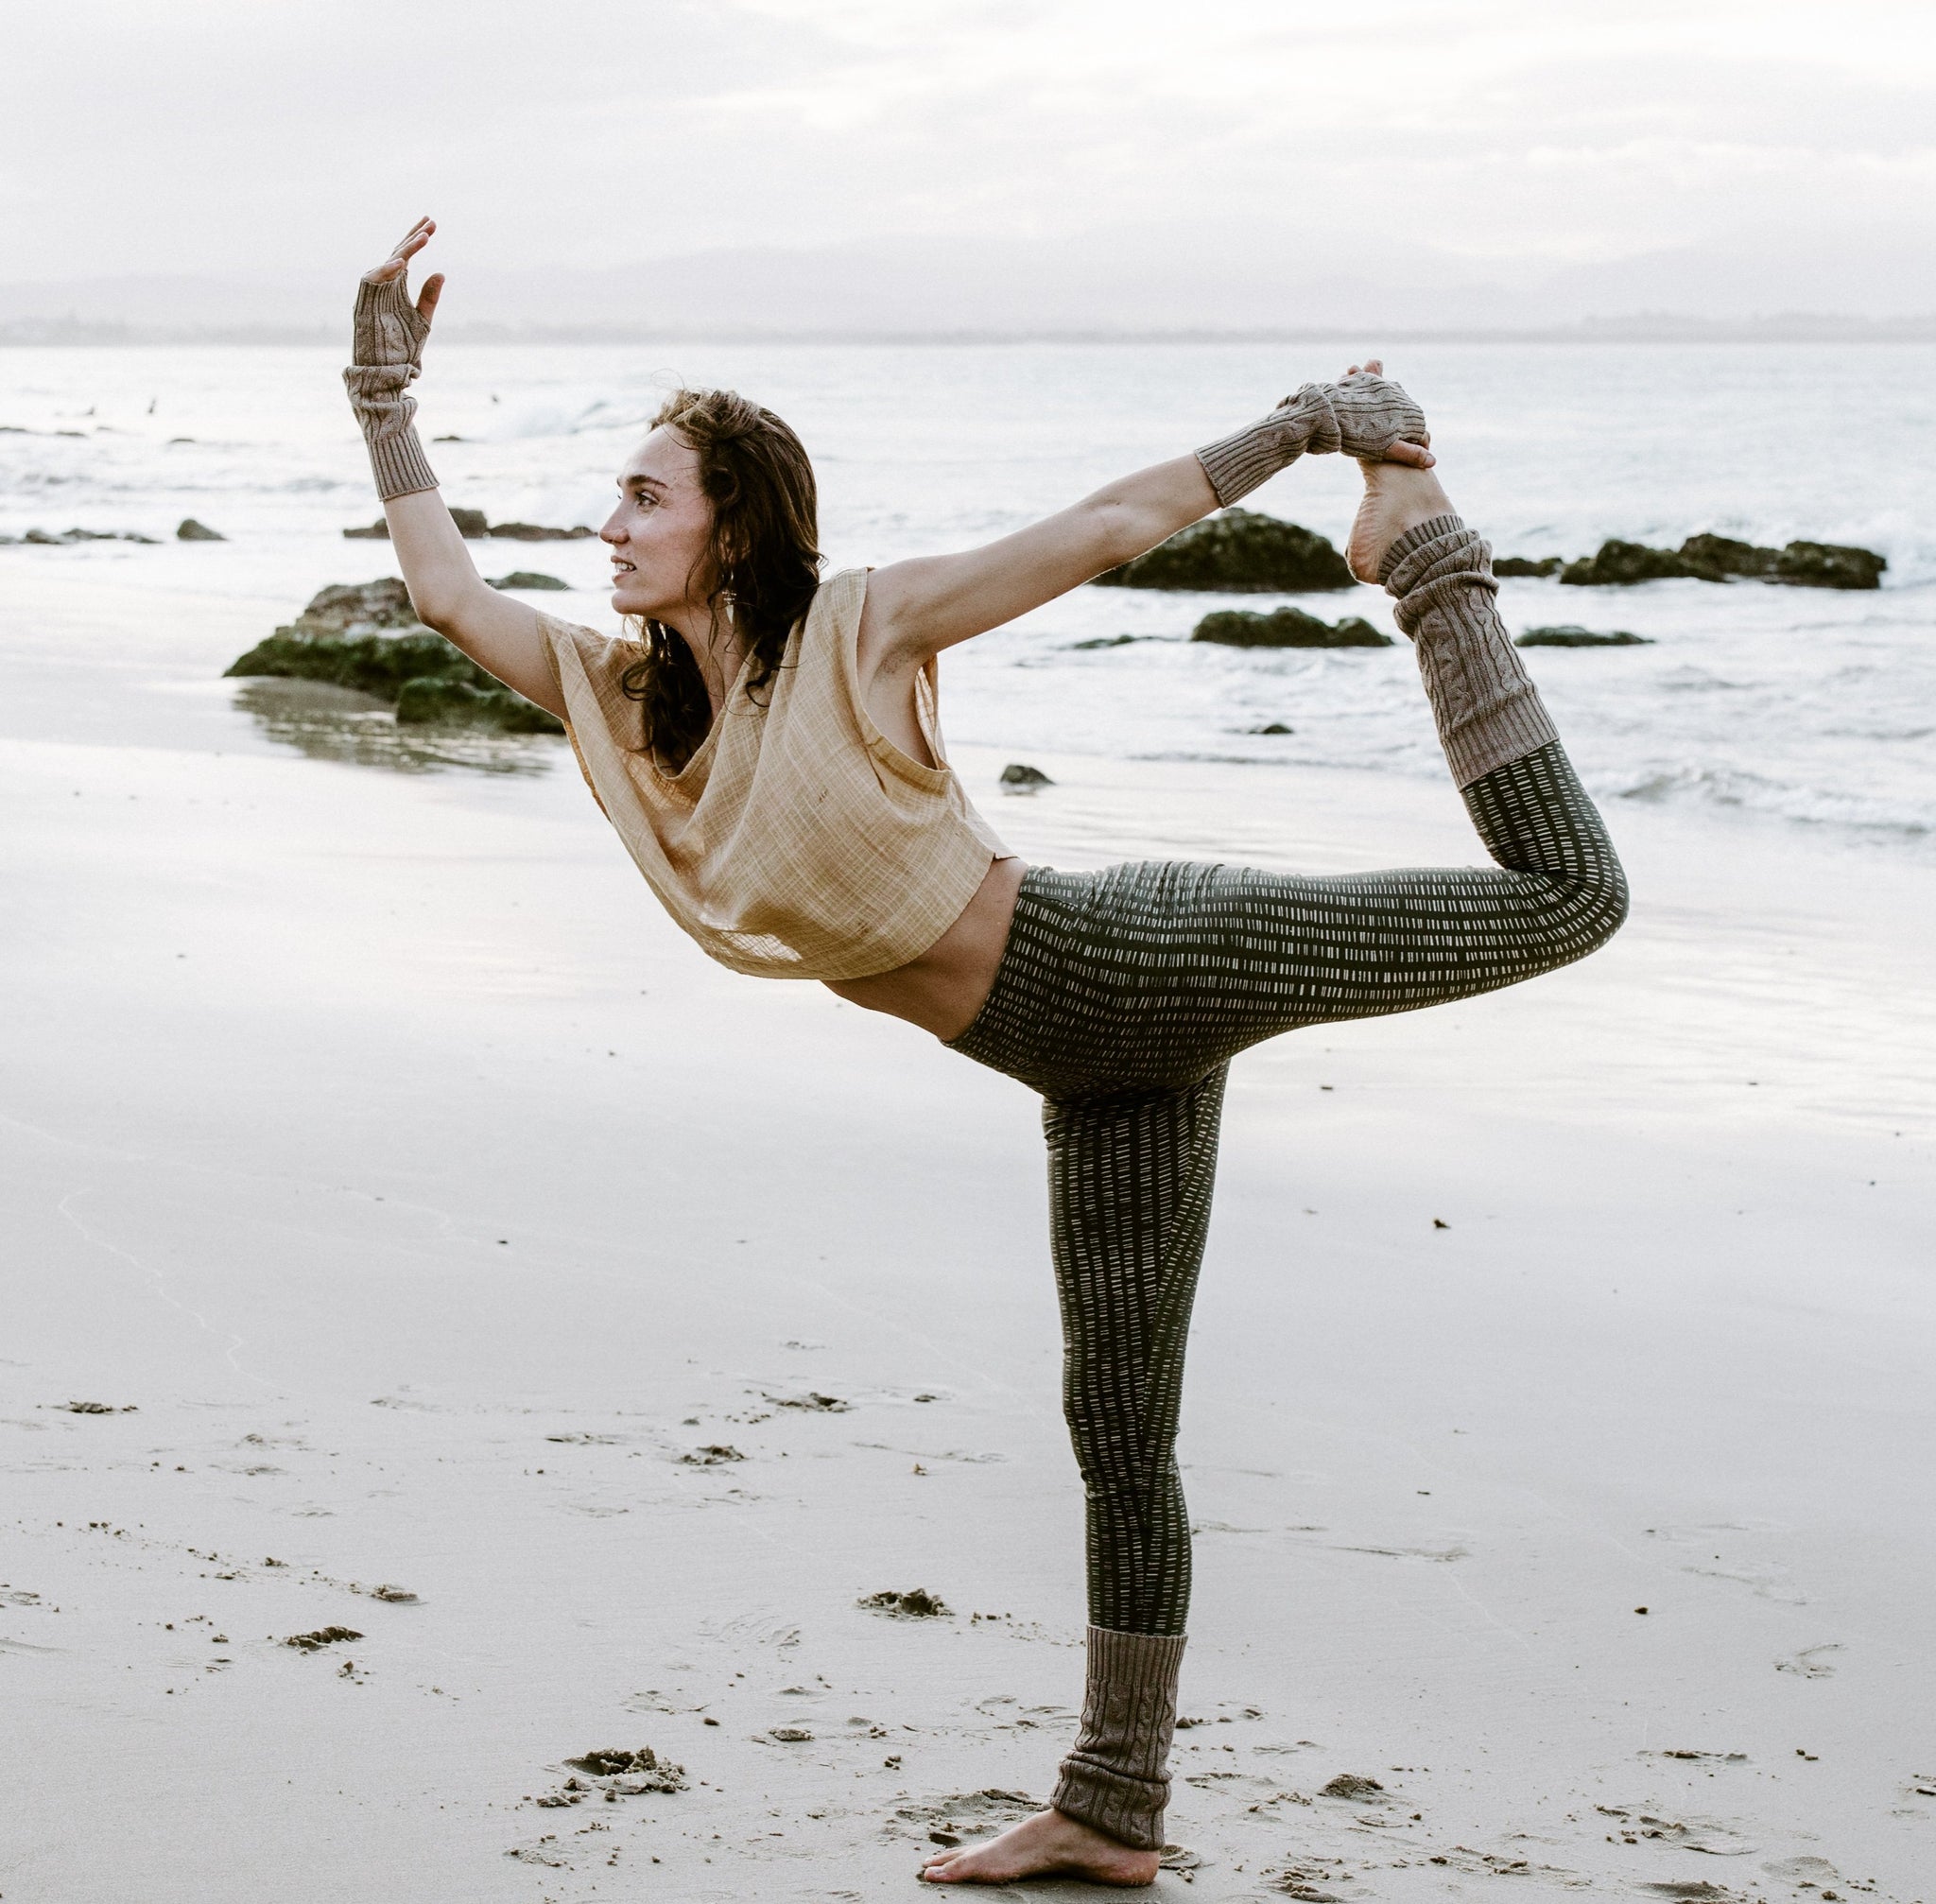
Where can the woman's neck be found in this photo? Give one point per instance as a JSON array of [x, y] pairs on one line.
[[713, 642]]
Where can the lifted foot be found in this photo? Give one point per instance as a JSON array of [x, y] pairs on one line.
[[1395, 499], [1046, 1845]]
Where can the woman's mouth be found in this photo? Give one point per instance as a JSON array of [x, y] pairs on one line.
[[621, 567]]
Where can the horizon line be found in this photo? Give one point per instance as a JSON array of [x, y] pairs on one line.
[[1646, 327]]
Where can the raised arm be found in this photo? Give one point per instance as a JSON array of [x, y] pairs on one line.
[[498, 633], [917, 608]]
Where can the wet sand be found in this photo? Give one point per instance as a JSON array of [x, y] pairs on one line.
[[428, 1216]]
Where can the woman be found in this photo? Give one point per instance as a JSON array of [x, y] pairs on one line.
[[768, 751]]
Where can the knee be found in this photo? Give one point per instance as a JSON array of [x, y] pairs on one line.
[[1606, 897]]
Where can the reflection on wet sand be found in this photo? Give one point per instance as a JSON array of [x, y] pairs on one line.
[[338, 723]]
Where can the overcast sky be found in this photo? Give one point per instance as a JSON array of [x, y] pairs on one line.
[[1718, 156]]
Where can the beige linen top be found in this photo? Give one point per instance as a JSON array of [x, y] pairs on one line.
[[799, 842]]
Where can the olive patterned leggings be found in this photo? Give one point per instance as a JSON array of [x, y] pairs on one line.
[[1121, 997]]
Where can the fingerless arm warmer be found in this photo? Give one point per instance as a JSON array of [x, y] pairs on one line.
[[387, 346], [1362, 416]]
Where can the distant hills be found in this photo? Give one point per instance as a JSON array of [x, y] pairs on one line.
[[1203, 286]]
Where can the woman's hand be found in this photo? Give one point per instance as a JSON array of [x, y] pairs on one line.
[[390, 329], [1366, 409]]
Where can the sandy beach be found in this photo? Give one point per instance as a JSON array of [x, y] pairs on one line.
[[409, 1234]]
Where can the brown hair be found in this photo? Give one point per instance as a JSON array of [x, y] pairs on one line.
[[762, 556]]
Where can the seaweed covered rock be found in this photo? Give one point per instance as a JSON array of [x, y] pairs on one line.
[[475, 526], [1527, 565], [1620, 565], [348, 607], [471, 524], [366, 636], [42, 539], [530, 532], [188, 529], [529, 578], [1717, 557], [1570, 634], [1237, 551], [1828, 564], [1721, 558], [443, 700], [1286, 628]]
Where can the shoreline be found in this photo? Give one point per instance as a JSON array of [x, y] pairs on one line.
[[309, 1040]]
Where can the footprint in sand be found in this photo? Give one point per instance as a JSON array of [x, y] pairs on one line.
[[1810, 1663]]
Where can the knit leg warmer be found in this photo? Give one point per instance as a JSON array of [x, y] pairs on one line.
[[1486, 706], [1117, 1779]]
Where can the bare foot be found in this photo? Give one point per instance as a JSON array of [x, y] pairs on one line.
[[1396, 498], [1046, 1845]]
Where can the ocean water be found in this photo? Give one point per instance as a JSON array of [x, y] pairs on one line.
[[1794, 706]]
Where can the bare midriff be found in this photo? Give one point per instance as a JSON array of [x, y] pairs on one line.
[[944, 989]]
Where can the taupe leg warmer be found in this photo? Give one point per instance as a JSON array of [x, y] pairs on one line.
[[1117, 1777], [1488, 710]]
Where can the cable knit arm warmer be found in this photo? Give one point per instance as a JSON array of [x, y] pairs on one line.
[[1488, 710], [387, 347], [1362, 416]]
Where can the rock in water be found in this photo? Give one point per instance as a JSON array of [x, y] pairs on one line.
[[472, 524], [42, 539], [1570, 634], [1286, 628], [1620, 565], [1718, 556], [1528, 565], [191, 530], [373, 664], [527, 532], [528, 578], [350, 608], [366, 636], [1241, 551], [445, 700], [1019, 773], [1828, 564]]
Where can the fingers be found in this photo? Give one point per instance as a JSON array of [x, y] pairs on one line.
[[427, 297], [415, 239], [1414, 455], [407, 246], [1372, 367]]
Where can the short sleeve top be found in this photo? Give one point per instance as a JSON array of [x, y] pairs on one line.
[[798, 842]]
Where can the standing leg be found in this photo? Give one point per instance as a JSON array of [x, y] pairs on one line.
[[1129, 1189]]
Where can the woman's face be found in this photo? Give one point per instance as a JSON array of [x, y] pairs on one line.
[[659, 532]]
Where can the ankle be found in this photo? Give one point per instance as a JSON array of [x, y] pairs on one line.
[[1397, 500]]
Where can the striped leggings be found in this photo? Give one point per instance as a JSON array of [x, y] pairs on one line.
[[1121, 997]]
